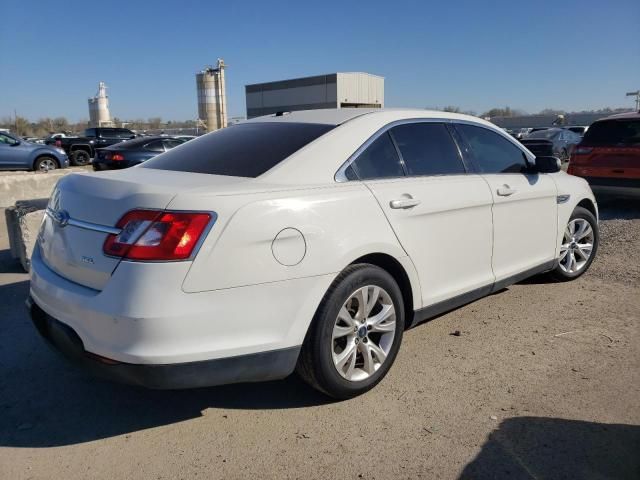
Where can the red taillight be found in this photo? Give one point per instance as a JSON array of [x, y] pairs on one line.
[[153, 235], [117, 157]]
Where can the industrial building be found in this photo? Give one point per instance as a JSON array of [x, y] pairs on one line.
[[212, 98], [99, 115], [334, 90]]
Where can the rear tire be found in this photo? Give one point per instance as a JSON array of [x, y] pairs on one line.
[[45, 164], [352, 343], [80, 158], [579, 246]]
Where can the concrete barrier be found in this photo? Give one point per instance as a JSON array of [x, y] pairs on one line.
[[23, 223], [15, 187]]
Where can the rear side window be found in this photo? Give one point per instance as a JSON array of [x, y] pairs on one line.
[[613, 132], [243, 150], [90, 132], [379, 160], [491, 152], [156, 146], [427, 149]]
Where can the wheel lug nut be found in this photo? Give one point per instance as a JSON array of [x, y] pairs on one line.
[[369, 327], [365, 339]]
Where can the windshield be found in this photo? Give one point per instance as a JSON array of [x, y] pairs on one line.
[[613, 132], [548, 134], [243, 150]]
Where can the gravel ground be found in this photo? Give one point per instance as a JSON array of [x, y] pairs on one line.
[[543, 382]]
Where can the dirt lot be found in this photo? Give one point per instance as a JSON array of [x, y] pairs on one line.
[[543, 382]]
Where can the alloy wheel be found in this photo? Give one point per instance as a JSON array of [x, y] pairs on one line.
[[577, 245], [363, 333], [46, 165]]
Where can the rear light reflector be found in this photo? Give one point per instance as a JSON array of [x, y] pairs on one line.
[[156, 235]]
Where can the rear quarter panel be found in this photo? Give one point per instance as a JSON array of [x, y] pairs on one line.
[[339, 223]]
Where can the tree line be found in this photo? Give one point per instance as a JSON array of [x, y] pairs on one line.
[[46, 126]]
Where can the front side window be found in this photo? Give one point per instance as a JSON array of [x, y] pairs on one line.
[[6, 139], [427, 149], [491, 152], [379, 160], [90, 132]]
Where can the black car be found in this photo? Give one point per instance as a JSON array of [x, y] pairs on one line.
[[81, 149], [132, 152], [552, 142]]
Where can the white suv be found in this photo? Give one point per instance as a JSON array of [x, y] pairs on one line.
[[307, 241]]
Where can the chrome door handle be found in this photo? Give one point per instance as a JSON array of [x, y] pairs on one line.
[[506, 190], [404, 203]]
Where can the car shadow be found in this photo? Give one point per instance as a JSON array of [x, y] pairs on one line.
[[534, 447], [46, 401]]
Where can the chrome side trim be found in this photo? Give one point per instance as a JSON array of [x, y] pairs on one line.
[[563, 198], [84, 225]]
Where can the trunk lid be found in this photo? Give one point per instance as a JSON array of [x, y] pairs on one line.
[[84, 207]]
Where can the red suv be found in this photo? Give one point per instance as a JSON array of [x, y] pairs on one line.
[[608, 156]]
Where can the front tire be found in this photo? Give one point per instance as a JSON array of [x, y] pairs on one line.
[[355, 334], [45, 164], [579, 246]]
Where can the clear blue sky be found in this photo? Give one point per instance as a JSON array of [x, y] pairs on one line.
[[528, 54]]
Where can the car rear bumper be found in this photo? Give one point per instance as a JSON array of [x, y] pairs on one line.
[[142, 318], [255, 367]]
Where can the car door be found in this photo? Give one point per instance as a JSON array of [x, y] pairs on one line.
[[12, 153], [525, 206], [439, 212]]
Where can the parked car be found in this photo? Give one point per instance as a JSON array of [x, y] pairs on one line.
[[580, 130], [132, 152], [520, 133], [18, 154], [608, 156], [271, 246], [556, 142], [82, 149]]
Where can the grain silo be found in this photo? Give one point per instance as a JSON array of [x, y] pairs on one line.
[[99, 108], [212, 99]]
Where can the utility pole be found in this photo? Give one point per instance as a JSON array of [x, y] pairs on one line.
[[637, 95]]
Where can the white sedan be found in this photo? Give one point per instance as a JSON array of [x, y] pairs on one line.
[[306, 241]]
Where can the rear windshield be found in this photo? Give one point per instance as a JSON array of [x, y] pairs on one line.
[[243, 150], [613, 132]]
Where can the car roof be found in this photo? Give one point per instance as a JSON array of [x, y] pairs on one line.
[[623, 116], [338, 116]]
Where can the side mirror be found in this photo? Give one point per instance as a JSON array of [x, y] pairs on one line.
[[548, 164], [16, 143]]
